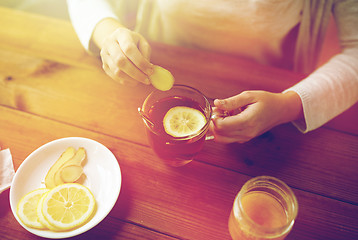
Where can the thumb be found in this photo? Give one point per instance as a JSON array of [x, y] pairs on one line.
[[238, 101]]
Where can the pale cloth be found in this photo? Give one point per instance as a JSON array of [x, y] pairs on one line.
[[7, 171]]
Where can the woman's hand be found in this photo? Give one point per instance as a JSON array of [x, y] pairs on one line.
[[125, 54], [259, 111]]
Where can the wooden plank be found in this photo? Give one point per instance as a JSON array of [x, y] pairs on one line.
[[192, 202], [89, 99], [322, 161], [44, 37], [85, 97]]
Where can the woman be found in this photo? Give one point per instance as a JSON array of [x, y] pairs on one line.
[[259, 29]]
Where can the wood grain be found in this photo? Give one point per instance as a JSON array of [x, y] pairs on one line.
[[167, 199], [88, 99]]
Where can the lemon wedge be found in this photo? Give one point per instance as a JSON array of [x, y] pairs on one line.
[[26, 208], [68, 206], [161, 78], [183, 121]]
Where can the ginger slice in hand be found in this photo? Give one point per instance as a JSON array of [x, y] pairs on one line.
[[161, 78]]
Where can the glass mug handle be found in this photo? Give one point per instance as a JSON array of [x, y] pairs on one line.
[[209, 136], [222, 114]]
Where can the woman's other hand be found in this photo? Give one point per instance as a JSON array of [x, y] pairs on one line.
[[259, 111]]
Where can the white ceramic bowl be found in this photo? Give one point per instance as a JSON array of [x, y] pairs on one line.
[[103, 178]]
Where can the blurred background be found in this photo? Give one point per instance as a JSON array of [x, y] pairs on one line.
[[54, 8], [58, 9]]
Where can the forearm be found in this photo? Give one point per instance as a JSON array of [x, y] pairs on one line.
[[85, 16], [103, 29], [292, 107], [329, 91]]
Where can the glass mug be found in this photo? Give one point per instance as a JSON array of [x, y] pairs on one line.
[[175, 151], [264, 208]]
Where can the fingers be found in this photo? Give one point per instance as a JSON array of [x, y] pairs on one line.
[[145, 49], [229, 124], [261, 112], [125, 56], [228, 137], [236, 102], [120, 77], [236, 128], [131, 49], [118, 63]]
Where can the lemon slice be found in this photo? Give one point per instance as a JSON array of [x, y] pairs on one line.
[[68, 206], [41, 217], [26, 208], [161, 78], [183, 121]]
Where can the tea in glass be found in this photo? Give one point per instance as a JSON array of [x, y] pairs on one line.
[[179, 120]]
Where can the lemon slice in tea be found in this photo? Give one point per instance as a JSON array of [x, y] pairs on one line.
[[68, 206], [183, 121], [26, 208]]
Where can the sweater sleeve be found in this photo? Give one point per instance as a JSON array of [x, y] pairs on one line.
[[332, 88], [84, 15]]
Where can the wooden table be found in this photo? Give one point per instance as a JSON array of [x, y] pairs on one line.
[[51, 88]]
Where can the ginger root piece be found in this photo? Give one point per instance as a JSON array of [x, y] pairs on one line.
[[161, 79], [75, 160], [50, 176], [71, 173]]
